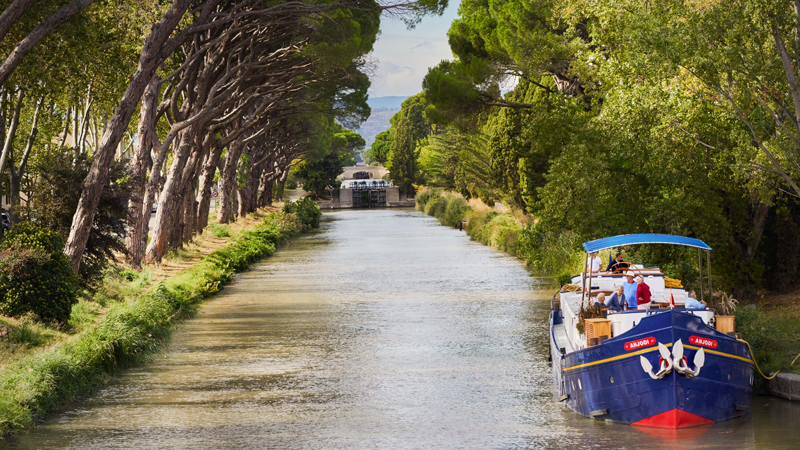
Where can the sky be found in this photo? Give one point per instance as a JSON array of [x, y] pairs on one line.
[[403, 56]]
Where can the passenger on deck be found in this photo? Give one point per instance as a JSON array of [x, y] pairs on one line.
[[642, 294], [630, 287], [617, 265], [595, 262], [601, 299], [693, 303], [617, 300]]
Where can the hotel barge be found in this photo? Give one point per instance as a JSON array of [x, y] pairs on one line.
[[667, 368]]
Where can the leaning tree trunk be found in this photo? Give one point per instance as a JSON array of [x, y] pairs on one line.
[[248, 195], [228, 183], [265, 199], [188, 194], [169, 204], [136, 240], [23, 47], [154, 52], [153, 186], [204, 191], [11, 14]]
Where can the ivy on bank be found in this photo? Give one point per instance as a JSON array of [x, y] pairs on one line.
[[130, 331]]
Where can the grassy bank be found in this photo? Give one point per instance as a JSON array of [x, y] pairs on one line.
[[771, 325], [546, 253], [127, 320]]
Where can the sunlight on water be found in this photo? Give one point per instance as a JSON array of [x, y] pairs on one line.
[[382, 330]]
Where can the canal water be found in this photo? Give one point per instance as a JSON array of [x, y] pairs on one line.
[[383, 330]]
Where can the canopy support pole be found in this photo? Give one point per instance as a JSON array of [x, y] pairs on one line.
[[700, 269], [708, 269], [583, 290]]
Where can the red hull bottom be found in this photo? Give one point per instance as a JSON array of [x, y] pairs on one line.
[[673, 419]]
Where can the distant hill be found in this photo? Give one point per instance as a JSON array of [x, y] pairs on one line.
[[385, 102], [378, 122]]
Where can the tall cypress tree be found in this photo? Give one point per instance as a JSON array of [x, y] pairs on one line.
[[403, 157]]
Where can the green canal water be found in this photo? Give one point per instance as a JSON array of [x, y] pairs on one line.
[[383, 330]]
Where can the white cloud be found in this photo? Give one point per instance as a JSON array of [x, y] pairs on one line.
[[403, 56]]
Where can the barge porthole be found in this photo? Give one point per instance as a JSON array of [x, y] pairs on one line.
[[611, 379]]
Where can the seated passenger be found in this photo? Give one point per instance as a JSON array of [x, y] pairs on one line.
[[630, 288], [642, 294], [693, 303], [601, 299], [617, 300], [617, 265]]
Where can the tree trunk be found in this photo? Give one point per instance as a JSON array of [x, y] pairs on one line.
[[154, 52], [248, 193], [188, 194], [267, 179], [169, 205], [205, 184], [154, 185], [759, 222], [228, 183], [137, 236], [10, 136], [15, 176]]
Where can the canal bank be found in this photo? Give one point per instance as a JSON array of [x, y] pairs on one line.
[[770, 323], [381, 330], [128, 332]]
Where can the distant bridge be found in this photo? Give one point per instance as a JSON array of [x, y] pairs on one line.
[[377, 172]]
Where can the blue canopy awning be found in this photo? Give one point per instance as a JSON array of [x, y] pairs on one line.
[[630, 239]]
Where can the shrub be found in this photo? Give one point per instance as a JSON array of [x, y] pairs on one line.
[[35, 274], [548, 252], [435, 207], [425, 196], [308, 212], [219, 230], [455, 210]]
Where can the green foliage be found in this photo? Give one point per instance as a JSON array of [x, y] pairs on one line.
[[565, 278], [425, 196], [379, 151], [322, 167], [54, 199], [551, 252], [308, 212], [219, 230], [35, 275], [770, 334], [291, 180], [500, 231], [403, 157]]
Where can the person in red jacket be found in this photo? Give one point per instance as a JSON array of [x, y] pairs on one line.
[[642, 294]]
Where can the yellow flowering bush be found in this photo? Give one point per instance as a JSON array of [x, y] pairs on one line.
[[35, 274]]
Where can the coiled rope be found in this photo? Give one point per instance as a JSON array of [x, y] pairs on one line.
[[756, 364]]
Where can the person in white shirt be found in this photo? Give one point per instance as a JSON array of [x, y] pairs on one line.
[[595, 262]]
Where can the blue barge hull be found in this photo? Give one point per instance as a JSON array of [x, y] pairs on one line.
[[610, 381]]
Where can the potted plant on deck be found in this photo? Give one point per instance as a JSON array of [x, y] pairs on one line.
[[725, 307]]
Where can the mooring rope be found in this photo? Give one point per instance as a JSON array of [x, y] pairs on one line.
[[752, 358]]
